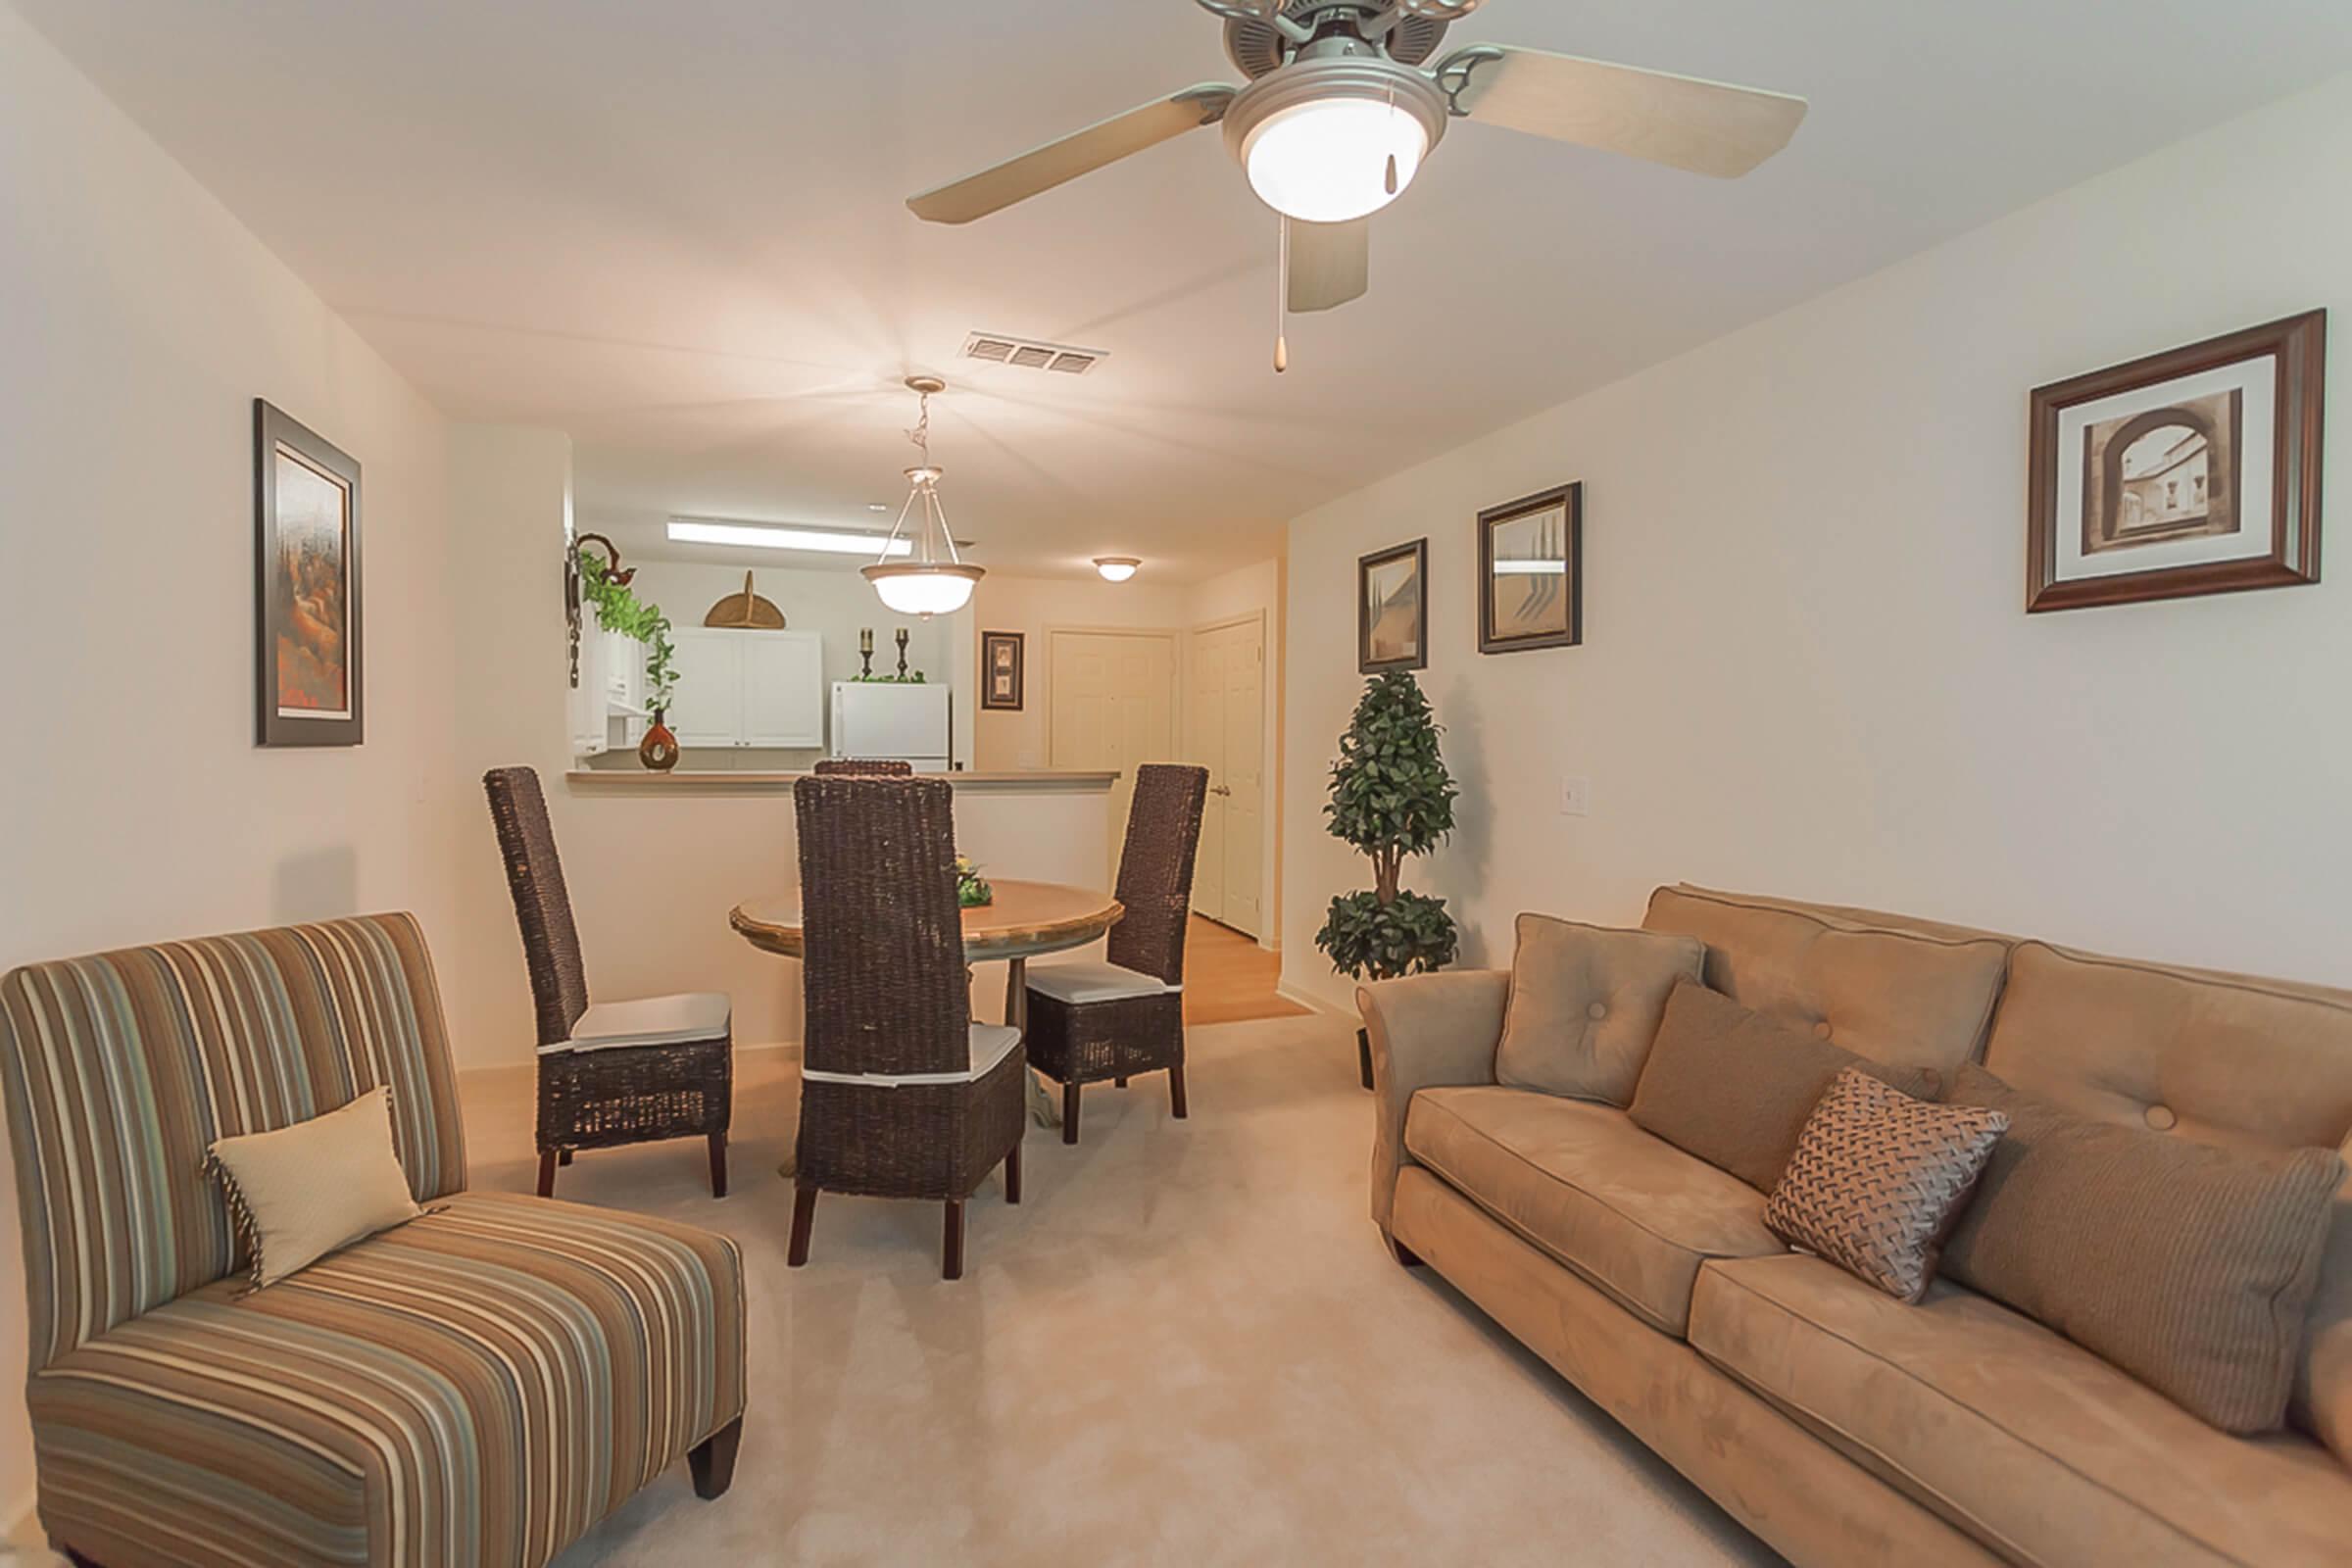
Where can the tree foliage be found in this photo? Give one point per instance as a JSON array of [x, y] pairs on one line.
[[1390, 797]]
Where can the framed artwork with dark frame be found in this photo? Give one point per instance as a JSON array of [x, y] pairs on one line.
[[1530, 576], [1391, 609], [306, 647], [1001, 670], [2193, 471]]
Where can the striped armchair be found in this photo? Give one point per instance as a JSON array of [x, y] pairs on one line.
[[472, 1389]]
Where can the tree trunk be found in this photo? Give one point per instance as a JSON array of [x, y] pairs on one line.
[[1387, 867]]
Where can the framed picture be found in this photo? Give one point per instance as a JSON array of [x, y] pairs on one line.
[[1391, 609], [1001, 670], [2196, 472], [1531, 580], [308, 669]]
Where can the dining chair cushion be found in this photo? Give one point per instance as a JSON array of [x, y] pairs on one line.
[[991, 1043], [1083, 980], [683, 1019]]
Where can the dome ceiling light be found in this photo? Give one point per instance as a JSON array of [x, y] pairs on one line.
[[1117, 569]]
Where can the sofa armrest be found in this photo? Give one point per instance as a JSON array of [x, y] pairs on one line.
[[1426, 1030]]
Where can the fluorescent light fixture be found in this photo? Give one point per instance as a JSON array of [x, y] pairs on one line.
[[761, 536], [1531, 569]]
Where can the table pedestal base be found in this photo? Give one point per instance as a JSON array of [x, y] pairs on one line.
[[1042, 1108]]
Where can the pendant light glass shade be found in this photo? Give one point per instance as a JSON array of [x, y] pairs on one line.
[[932, 579]]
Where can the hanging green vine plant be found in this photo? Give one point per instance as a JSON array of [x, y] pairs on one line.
[[618, 610]]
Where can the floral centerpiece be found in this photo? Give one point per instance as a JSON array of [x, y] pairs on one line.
[[971, 888]]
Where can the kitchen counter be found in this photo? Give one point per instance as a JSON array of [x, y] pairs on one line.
[[723, 782]]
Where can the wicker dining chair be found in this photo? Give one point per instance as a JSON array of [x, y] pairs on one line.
[[1090, 1020], [863, 768], [902, 1093], [610, 1072]]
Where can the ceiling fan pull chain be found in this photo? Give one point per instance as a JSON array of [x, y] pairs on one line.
[[1282, 300], [1391, 179]]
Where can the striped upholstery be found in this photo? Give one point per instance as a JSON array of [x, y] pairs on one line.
[[476, 1387], [120, 1069]]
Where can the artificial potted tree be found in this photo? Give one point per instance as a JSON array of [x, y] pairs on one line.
[[1390, 796]]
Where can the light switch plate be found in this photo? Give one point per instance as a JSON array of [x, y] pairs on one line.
[[1576, 797]]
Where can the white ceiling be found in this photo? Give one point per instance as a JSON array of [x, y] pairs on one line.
[[673, 227]]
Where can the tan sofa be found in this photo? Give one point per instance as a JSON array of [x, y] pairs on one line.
[[1838, 1424]]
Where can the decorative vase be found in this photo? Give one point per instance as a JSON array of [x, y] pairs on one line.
[[658, 751]]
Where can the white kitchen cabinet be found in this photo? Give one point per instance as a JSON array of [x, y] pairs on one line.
[[748, 688], [607, 708]]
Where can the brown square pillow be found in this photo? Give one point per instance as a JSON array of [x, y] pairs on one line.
[[1734, 1087], [2188, 1266], [1585, 1005], [1877, 1179]]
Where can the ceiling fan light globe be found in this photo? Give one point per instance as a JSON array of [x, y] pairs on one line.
[[1327, 160]]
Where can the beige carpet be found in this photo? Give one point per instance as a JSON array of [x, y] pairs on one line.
[[1185, 1345]]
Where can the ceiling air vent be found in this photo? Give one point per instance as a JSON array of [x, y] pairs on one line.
[[1031, 354]]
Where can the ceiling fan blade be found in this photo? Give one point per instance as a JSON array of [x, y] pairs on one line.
[[1331, 263], [1704, 126], [1082, 152]]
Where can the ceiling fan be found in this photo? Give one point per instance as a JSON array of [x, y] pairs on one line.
[[1345, 102]]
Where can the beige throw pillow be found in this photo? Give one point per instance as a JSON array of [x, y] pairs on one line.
[[1877, 1178], [2187, 1266], [301, 1192], [1734, 1087], [1585, 1005]]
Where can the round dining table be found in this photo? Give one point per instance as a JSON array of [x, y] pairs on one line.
[[1023, 920]]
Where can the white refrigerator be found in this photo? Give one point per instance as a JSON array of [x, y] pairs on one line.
[[875, 720]]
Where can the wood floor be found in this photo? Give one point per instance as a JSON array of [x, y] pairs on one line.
[[1228, 977]]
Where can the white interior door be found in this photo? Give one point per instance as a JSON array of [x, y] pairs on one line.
[[1205, 725], [1227, 714], [1114, 705], [1243, 846]]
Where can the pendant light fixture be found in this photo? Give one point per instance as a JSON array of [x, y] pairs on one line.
[[932, 579]]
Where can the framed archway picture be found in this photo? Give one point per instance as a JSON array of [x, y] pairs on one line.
[[1391, 609], [2193, 471], [307, 586], [1531, 580]]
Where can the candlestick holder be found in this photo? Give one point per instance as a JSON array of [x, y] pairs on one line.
[[866, 652], [901, 653]]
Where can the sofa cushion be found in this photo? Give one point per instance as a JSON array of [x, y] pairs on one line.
[[2224, 1058], [479, 1386], [1632, 1214], [1585, 1005], [1907, 991], [1877, 1178], [1734, 1087], [301, 1192], [2187, 1266], [2032, 1445]]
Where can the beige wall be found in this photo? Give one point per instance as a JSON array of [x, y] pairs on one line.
[[1806, 666], [139, 321]]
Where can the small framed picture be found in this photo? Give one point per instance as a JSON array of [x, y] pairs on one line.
[[1391, 609], [307, 586], [1531, 581], [1001, 670], [2194, 472]]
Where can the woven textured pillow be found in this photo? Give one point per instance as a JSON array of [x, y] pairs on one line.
[[301, 1192], [1877, 1179]]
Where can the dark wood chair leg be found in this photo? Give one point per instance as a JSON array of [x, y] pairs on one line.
[[713, 1460], [1363, 1054], [1069, 1114], [1013, 1175], [1176, 1091], [1119, 1082], [718, 1164], [547, 1174], [565, 1157], [803, 1220], [951, 1263]]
